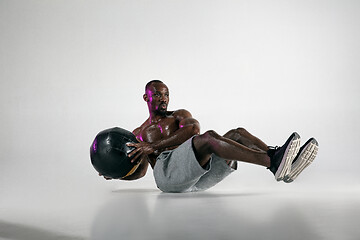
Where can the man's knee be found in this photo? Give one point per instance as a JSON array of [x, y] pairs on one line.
[[205, 141], [210, 135], [203, 146], [241, 130], [235, 133]]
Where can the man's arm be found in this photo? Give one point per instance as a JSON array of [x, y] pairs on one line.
[[142, 168], [188, 127]]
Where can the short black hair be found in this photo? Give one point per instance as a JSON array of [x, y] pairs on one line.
[[151, 82]]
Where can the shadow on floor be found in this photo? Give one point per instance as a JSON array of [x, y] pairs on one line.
[[24, 232]]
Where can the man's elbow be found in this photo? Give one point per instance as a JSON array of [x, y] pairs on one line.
[[142, 173], [195, 129]]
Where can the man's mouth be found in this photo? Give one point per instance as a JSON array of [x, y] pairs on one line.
[[163, 106]]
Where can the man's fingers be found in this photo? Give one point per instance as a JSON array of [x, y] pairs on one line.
[[137, 158], [133, 152], [129, 144]]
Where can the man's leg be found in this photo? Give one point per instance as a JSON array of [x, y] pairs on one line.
[[210, 142], [242, 136], [279, 161]]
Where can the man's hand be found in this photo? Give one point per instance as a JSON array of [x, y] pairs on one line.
[[141, 151], [107, 178]]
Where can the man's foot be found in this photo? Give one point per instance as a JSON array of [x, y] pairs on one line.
[[306, 155], [282, 157]]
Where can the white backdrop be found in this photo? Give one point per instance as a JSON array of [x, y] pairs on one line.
[[69, 69]]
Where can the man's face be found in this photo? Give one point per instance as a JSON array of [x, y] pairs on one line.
[[157, 98]]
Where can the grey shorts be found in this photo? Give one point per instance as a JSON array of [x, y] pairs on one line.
[[178, 170]]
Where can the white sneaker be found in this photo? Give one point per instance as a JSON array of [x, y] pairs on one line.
[[306, 155]]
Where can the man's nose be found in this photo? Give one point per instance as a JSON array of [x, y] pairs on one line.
[[163, 98]]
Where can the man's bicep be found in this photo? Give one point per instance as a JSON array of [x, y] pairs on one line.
[[182, 114], [191, 124], [188, 121], [185, 120]]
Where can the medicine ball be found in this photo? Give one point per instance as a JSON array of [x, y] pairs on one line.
[[108, 153]]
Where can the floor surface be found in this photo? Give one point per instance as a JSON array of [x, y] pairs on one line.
[[140, 211]]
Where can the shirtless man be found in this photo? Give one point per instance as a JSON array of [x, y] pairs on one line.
[[185, 160]]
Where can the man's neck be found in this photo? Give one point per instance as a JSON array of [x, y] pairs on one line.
[[156, 117]]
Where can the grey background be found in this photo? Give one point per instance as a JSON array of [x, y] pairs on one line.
[[69, 69]]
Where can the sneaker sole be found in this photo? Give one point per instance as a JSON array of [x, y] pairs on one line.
[[306, 157], [289, 155]]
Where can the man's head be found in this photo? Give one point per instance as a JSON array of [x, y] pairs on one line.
[[157, 97]]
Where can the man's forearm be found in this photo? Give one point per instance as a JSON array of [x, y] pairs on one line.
[[177, 138]]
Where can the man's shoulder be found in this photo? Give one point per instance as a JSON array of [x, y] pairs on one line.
[[181, 113], [138, 130]]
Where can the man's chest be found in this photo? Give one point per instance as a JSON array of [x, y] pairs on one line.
[[160, 130]]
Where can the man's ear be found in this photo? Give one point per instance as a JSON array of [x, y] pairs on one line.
[[145, 97]]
